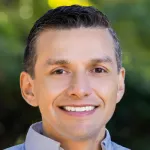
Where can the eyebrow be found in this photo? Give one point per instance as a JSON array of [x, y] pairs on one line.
[[94, 61]]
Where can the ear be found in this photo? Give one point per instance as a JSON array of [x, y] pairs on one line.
[[121, 84], [27, 88]]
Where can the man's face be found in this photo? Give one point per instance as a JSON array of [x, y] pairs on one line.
[[89, 78]]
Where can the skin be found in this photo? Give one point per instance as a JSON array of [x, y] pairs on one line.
[[79, 82]]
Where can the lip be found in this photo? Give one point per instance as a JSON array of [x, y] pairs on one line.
[[81, 105], [78, 114]]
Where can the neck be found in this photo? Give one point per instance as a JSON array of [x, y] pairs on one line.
[[81, 145], [92, 143]]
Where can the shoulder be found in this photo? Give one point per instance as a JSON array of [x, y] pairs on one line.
[[17, 147], [118, 147]]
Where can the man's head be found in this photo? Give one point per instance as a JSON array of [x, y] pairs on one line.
[[63, 18], [72, 61]]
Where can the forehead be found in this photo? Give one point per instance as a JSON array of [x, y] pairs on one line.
[[79, 44]]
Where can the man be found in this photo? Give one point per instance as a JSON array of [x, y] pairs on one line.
[[73, 73]]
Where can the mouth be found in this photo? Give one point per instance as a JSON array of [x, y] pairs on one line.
[[78, 108], [79, 111]]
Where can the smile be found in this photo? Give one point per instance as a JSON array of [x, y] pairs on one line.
[[78, 109]]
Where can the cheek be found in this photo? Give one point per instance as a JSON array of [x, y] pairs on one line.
[[106, 89], [55, 86], [107, 92], [49, 90]]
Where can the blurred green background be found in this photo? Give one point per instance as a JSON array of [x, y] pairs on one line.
[[130, 125]]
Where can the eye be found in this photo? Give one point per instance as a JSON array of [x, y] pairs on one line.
[[58, 71], [99, 70]]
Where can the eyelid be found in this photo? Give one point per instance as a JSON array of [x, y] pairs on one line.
[[103, 68], [59, 68]]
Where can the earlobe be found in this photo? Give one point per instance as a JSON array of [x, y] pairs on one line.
[[121, 85], [120, 93], [27, 89]]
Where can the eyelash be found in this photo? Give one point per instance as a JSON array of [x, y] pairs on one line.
[[102, 71], [54, 72]]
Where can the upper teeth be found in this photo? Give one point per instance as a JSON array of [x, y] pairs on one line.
[[87, 108]]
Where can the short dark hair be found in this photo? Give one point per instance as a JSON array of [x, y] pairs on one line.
[[67, 17]]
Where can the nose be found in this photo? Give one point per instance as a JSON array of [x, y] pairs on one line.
[[79, 87]]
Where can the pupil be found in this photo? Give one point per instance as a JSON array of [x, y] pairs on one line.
[[98, 69], [60, 71]]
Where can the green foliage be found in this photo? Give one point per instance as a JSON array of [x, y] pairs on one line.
[[130, 123]]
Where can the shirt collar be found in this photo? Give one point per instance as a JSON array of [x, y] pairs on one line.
[[36, 141]]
